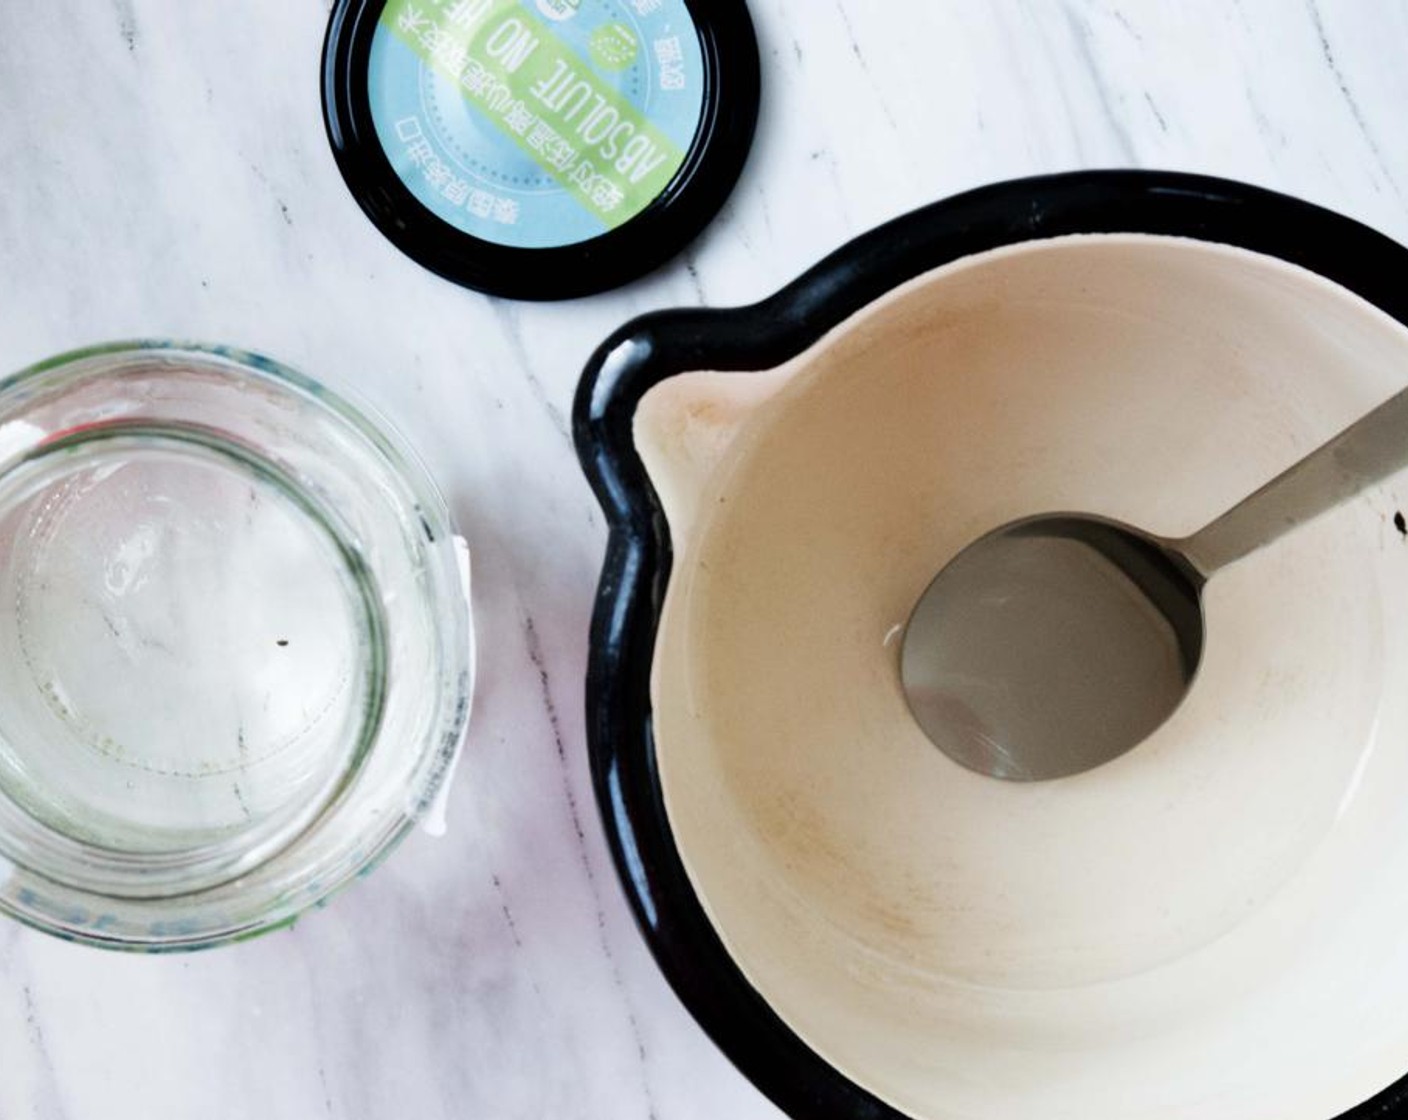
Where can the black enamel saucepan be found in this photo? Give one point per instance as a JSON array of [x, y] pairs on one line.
[[1207, 927]]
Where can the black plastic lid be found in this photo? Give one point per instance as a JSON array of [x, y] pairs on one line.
[[540, 149]]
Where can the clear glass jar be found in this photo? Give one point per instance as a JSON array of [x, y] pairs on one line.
[[235, 644]]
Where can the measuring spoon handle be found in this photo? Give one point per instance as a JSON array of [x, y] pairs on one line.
[[1368, 451]]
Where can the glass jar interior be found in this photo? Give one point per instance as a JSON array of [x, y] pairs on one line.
[[234, 645], [185, 653]]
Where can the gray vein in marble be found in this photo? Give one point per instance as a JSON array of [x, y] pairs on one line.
[[695, 282], [1349, 99], [507, 913], [1123, 21], [507, 314], [263, 178], [49, 1105], [1153, 108], [512, 923], [764, 211], [323, 1082], [1072, 120], [827, 158], [1265, 127], [745, 239], [1038, 142], [535, 655], [1081, 34], [865, 67], [126, 22]]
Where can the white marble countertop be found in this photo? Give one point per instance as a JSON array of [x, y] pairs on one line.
[[163, 171]]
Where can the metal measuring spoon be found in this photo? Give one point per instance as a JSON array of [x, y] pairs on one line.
[[1056, 643]]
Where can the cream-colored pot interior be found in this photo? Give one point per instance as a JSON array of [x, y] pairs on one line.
[[1213, 925]]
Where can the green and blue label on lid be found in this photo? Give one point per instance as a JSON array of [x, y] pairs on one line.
[[536, 123]]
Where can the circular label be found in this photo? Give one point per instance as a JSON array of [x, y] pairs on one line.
[[536, 123]]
